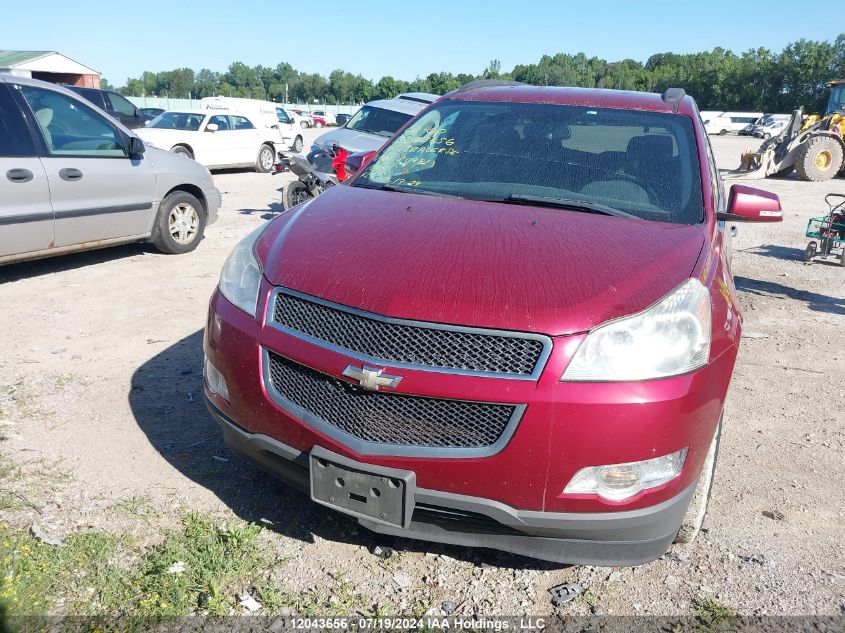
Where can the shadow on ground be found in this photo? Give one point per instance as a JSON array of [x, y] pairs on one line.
[[167, 403], [777, 251], [271, 211], [60, 263], [815, 301]]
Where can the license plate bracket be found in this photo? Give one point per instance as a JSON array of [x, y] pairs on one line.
[[376, 493]]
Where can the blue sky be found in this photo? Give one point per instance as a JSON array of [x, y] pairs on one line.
[[403, 38]]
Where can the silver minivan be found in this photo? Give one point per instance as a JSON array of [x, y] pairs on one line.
[[72, 178]]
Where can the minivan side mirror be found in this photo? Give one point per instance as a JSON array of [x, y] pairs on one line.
[[749, 204], [212, 127], [136, 147], [357, 161]]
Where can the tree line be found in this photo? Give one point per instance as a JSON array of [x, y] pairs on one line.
[[756, 80]]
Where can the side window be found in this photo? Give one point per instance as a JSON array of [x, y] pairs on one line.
[[715, 179], [220, 120], [282, 116], [120, 104], [94, 97], [71, 128], [14, 133], [241, 123]]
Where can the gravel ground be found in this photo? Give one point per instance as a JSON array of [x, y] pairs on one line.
[[100, 367]]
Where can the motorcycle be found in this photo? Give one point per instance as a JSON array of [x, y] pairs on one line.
[[320, 169]]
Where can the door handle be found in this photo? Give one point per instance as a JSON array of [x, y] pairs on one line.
[[69, 173], [19, 175]]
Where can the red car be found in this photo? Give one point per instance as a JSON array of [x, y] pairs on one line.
[[513, 328]]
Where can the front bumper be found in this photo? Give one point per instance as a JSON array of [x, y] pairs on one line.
[[624, 538], [214, 200]]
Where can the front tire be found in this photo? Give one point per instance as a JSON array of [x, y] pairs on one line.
[[810, 252], [180, 224], [265, 160], [303, 125], [296, 193], [819, 159], [722, 132], [297, 144], [697, 510], [181, 150]]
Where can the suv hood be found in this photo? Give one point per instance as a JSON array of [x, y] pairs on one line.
[[482, 264]]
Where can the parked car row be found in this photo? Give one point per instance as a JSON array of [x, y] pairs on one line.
[[744, 123]]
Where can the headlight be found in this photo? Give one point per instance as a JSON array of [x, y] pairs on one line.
[[671, 337], [618, 482], [241, 275]]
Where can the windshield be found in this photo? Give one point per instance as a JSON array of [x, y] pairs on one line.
[[642, 163], [837, 98], [177, 121], [377, 121]]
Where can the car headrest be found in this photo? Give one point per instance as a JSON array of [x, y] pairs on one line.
[[651, 147], [44, 117]]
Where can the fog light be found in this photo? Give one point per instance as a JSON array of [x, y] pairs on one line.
[[215, 381], [617, 482]]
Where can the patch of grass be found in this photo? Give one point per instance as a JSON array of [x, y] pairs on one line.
[[714, 617], [137, 506], [95, 574], [17, 397], [589, 598], [35, 575]]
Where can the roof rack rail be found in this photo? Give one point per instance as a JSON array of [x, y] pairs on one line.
[[486, 83], [673, 96]]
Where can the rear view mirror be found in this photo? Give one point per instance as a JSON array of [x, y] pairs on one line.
[[136, 147], [358, 161], [749, 204], [212, 127]]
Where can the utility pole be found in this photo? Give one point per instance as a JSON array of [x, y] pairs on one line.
[[286, 92]]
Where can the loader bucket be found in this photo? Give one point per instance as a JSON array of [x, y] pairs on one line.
[[775, 155]]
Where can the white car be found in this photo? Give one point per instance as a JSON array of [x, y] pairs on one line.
[[215, 139], [300, 118]]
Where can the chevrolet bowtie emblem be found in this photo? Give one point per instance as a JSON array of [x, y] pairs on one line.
[[370, 377]]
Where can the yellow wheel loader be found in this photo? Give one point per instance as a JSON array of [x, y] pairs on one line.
[[813, 146]]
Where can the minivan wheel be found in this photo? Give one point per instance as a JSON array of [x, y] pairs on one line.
[[180, 224], [297, 144], [266, 159], [694, 518], [182, 151], [303, 124]]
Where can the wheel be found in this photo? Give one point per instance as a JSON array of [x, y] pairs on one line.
[[182, 151], [180, 223], [767, 135], [694, 518], [810, 252], [296, 193], [297, 144], [318, 125], [818, 159], [722, 132], [303, 125], [266, 159]]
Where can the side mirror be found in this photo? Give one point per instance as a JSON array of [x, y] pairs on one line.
[[749, 204], [136, 147], [357, 161], [212, 127]]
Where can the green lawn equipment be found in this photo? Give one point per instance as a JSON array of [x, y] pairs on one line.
[[828, 232]]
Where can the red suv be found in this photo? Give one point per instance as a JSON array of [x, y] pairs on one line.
[[514, 328]]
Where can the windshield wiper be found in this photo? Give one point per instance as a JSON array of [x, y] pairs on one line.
[[422, 192], [566, 203]]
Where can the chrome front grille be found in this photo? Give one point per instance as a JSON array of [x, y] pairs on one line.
[[388, 423], [410, 343]]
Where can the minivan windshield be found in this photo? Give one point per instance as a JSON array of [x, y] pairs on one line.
[[377, 121], [637, 163], [189, 121]]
